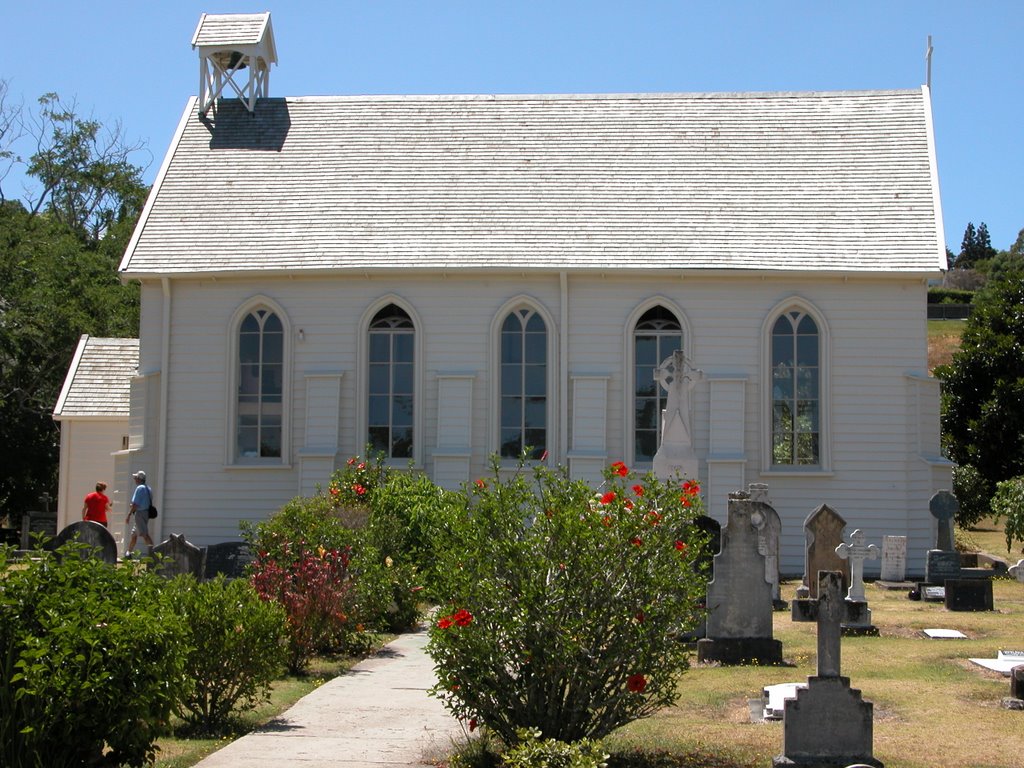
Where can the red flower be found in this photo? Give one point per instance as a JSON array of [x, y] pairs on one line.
[[685, 501], [360, 490], [640, 617], [637, 541], [544, 456], [608, 498], [445, 622], [638, 490], [607, 521], [620, 469], [680, 546], [654, 517], [628, 504], [472, 724], [636, 683], [463, 617], [351, 461], [691, 488], [479, 483], [335, 490]]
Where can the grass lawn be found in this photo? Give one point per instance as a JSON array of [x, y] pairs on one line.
[[932, 707], [943, 341]]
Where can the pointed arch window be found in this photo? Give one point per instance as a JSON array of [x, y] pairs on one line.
[[260, 398], [524, 384], [391, 390], [656, 335], [796, 388]]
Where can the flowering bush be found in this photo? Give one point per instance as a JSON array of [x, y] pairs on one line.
[[317, 594], [564, 607], [356, 484]]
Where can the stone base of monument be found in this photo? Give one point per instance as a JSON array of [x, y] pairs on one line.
[[891, 585], [827, 725], [740, 650], [929, 592], [968, 595], [778, 604], [858, 620]]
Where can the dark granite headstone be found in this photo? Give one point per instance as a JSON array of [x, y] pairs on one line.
[[34, 523], [228, 558], [1017, 682], [944, 506], [97, 540], [968, 595], [823, 531], [941, 565]]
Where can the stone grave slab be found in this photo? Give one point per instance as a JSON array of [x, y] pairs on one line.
[[933, 594], [941, 565], [968, 595], [35, 523], [1003, 663], [944, 634], [176, 556], [774, 699], [894, 559]]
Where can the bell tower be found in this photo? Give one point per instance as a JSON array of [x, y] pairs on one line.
[[237, 50]]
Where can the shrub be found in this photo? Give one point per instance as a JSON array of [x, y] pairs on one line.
[[237, 647], [93, 658], [531, 751], [1009, 503], [563, 609], [973, 493]]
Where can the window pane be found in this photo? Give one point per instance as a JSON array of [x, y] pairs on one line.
[[782, 449], [511, 380], [272, 324], [403, 379], [249, 380], [535, 415], [248, 441], [536, 439], [271, 384], [511, 348], [249, 348], [647, 351], [379, 439], [380, 348], [783, 326], [807, 416], [378, 414], [401, 411], [401, 443], [807, 383], [403, 347], [646, 386], [645, 445], [646, 413], [536, 325], [250, 324], [807, 350], [807, 326], [536, 348], [669, 345], [511, 443], [512, 412], [782, 382], [512, 324], [270, 442], [380, 378], [807, 448], [536, 380], [273, 348]]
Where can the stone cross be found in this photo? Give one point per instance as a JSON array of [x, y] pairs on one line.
[[856, 552], [944, 506], [45, 500], [675, 454], [829, 610]]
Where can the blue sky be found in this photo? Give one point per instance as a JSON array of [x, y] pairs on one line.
[[132, 62]]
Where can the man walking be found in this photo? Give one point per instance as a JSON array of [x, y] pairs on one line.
[[142, 500]]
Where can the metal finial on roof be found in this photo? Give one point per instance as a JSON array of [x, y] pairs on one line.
[[230, 43]]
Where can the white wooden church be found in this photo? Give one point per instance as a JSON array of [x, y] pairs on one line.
[[450, 277]]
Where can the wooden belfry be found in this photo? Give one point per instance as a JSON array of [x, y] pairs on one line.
[[234, 45]]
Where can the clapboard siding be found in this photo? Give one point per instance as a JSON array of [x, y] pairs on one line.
[[875, 328]]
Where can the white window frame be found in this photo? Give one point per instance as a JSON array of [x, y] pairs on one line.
[[232, 459], [551, 380], [629, 384], [363, 379], [824, 465]]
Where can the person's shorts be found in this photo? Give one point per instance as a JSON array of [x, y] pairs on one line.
[[140, 524]]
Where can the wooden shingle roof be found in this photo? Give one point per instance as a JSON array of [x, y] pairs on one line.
[[228, 29], [98, 381], [839, 182]]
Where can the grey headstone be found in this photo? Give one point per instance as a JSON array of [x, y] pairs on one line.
[[823, 532], [98, 540], [855, 553], [894, 558], [944, 506], [228, 558], [1017, 571], [1017, 682], [175, 557], [769, 530], [739, 598], [33, 523]]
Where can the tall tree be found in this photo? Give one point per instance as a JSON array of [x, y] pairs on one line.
[[58, 280]]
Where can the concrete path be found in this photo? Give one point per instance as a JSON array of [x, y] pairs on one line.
[[377, 716]]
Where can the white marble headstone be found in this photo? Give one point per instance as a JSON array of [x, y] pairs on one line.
[[894, 558]]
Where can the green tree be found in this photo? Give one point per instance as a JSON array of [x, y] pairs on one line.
[[58, 279], [983, 387]]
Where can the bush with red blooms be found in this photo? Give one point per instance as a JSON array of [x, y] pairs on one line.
[[564, 607]]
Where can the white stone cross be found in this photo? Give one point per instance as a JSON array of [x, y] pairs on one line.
[[857, 552]]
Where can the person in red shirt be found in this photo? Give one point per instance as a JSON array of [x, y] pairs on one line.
[[97, 505]]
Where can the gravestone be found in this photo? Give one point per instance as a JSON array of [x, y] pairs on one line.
[[97, 539], [827, 724], [175, 557], [1017, 571], [944, 506], [769, 529], [35, 523], [823, 532], [894, 559], [1017, 682], [968, 595], [675, 456], [228, 558], [713, 530], [856, 552], [940, 566], [938, 633], [739, 598], [1003, 663]]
